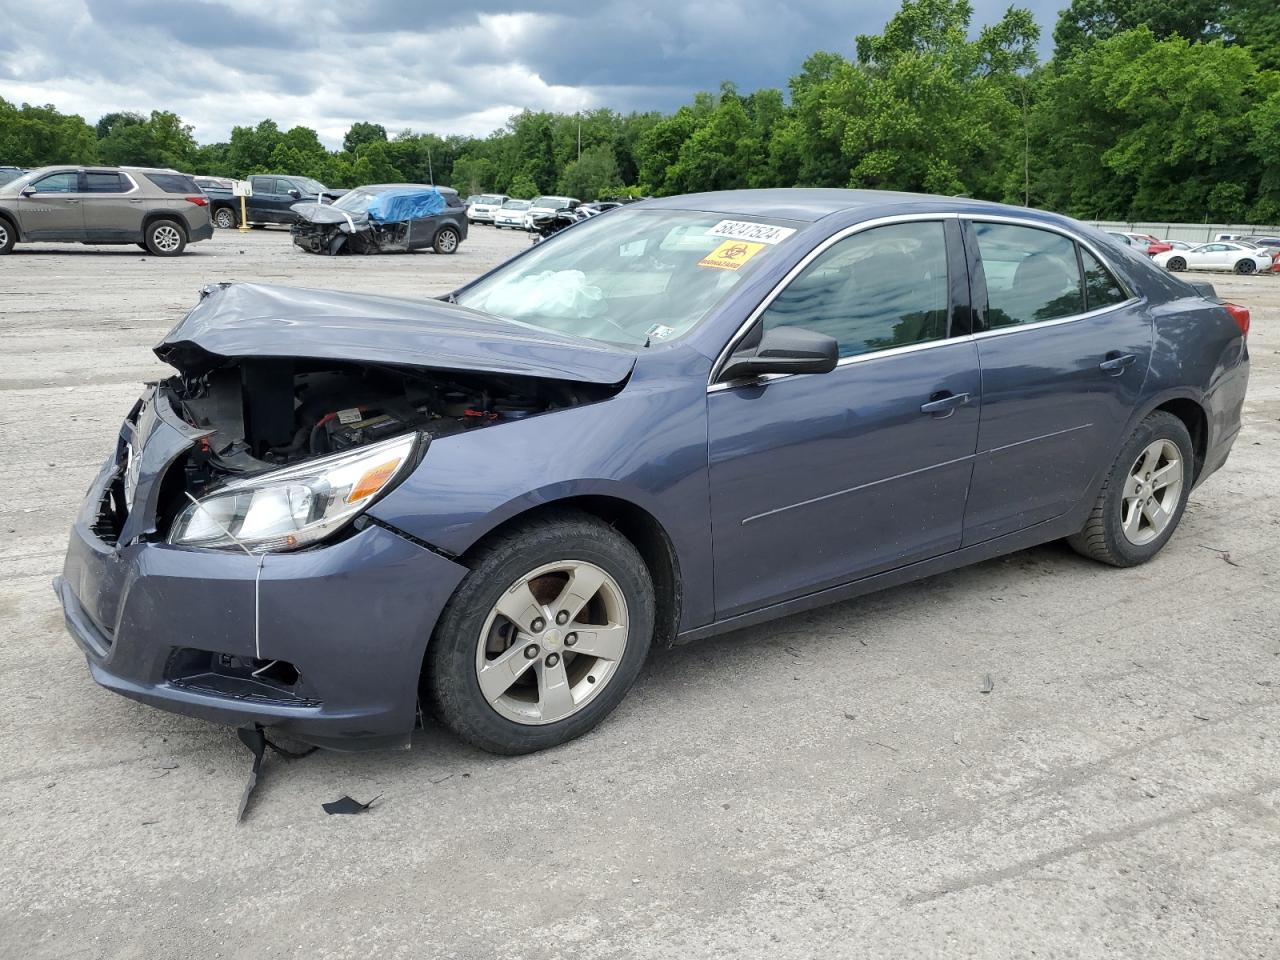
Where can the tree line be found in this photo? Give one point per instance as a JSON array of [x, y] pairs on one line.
[[1147, 109]]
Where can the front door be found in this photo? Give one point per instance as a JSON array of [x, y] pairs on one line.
[[822, 479], [54, 210], [1064, 356]]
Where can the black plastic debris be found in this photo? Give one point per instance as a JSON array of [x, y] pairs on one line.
[[987, 684], [257, 742], [348, 805]]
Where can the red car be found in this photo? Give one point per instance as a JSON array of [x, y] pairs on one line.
[[1153, 245]]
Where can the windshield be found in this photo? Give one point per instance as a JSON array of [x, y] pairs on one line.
[[489, 200], [554, 203], [631, 277], [309, 185], [355, 201], [516, 205]]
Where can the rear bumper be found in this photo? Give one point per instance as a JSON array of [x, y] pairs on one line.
[[1225, 405], [203, 232], [181, 629]]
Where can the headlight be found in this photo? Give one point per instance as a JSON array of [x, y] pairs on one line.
[[291, 508]]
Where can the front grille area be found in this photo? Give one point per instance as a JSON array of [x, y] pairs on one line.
[[109, 521]]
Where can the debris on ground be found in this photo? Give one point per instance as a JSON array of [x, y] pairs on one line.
[[257, 742], [348, 805], [987, 684]]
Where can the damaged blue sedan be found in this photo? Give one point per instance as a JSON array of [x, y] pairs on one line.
[[691, 415]]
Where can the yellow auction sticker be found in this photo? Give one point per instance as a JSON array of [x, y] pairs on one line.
[[730, 255]]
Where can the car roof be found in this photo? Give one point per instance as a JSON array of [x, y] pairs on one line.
[[813, 203], [102, 167], [404, 186]]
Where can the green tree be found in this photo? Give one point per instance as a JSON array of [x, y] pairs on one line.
[[1255, 25], [521, 186], [362, 133], [471, 175], [1085, 22], [593, 175], [33, 136]]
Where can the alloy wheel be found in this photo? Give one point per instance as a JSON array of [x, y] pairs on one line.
[[166, 238], [552, 642], [1245, 266], [225, 219], [1152, 492], [448, 241]]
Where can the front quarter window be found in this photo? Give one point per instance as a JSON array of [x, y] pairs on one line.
[[633, 277]]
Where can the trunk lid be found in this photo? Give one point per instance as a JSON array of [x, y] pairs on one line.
[[263, 320]]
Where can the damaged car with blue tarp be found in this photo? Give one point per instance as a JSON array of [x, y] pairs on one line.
[[383, 218]]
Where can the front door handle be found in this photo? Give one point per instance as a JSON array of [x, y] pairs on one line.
[[1116, 365], [942, 405], [135, 200], [73, 201]]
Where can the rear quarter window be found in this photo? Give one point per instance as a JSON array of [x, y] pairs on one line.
[[174, 182]]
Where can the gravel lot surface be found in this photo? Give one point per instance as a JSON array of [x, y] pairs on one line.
[[831, 785]]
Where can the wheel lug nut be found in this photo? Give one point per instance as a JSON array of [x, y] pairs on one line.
[[562, 616], [570, 640], [553, 659], [531, 651], [538, 624]]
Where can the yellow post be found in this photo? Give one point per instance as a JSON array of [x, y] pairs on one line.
[[244, 222]]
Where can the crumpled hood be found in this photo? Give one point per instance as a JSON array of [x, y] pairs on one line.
[[265, 320], [313, 212]]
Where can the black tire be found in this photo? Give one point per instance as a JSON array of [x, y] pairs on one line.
[[1246, 266], [450, 682], [225, 218], [446, 241], [1177, 263], [165, 238], [8, 236], [1102, 537]]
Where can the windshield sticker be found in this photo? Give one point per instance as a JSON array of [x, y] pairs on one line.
[[659, 332], [746, 230], [730, 255]]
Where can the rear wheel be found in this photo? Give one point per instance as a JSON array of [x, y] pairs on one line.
[[7, 236], [1246, 266], [446, 240], [224, 217], [1177, 263], [1143, 497], [544, 636], [165, 238]]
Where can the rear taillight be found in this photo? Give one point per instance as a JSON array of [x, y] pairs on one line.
[[1240, 315], [199, 201]]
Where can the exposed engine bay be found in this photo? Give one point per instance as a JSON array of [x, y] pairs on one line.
[[365, 237], [270, 413]]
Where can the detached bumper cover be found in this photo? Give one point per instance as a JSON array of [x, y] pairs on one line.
[[353, 618]]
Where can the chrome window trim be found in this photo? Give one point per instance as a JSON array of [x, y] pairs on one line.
[[795, 271], [714, 387]]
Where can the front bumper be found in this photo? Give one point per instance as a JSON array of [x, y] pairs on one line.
[[180, 628]]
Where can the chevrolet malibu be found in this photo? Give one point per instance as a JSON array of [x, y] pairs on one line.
[[694, 414]]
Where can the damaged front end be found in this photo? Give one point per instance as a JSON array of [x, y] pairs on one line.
[[320, 228], [222, 564]]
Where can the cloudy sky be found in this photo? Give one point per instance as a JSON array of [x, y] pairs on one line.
[[325, 64]]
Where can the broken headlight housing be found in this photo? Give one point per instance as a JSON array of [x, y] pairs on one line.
[[295, 507]]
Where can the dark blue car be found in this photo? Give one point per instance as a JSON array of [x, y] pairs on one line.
[[690, 415]]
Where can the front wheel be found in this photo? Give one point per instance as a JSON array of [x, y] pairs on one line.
[[165, 238], [446, 240], [1246, 266], [543, 638], [1177, 263], [7, 236], [1143, 497]]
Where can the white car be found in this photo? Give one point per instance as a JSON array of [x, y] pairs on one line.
[[545, 205], [511, 214], [1215, 256], [484, 207]]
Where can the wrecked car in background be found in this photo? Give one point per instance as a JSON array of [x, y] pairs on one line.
[[383, 218]]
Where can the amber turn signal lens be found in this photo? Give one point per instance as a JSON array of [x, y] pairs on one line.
[[372, 481]]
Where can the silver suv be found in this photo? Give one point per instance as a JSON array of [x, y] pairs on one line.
[[159, 210]]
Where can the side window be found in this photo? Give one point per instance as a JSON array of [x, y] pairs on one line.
[[1101, 289], [284, 186], [105, 183], [66, 182], [263, 184], [1031, 274], [885, 287]]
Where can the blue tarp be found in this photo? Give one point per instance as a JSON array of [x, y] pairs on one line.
[[397, 206]]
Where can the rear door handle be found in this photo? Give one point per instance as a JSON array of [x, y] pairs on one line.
[[73, 201], [944, 404], [135, 200], [1116, 365]]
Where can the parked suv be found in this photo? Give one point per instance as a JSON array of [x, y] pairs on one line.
[[159, 210], [273, 195]]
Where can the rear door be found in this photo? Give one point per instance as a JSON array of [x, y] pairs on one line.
[[55, 208], [113, 206], [818, 480], [1064, 349]]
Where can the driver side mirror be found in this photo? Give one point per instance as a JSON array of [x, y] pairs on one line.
[[28, 192], [784, 350], [295, 194]]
